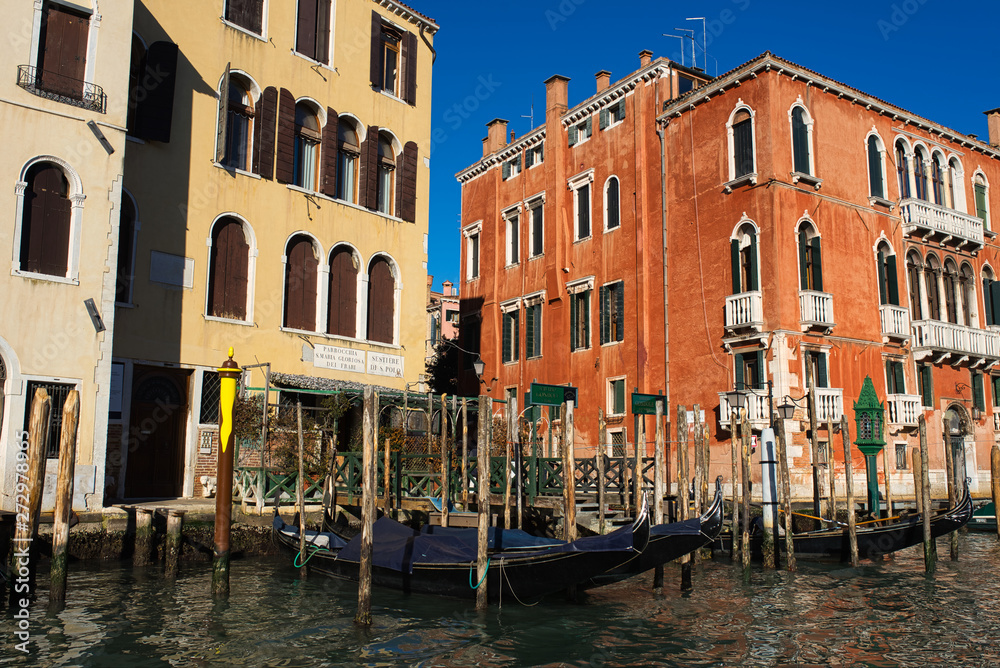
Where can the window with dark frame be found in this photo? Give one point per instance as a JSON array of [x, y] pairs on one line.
[[888, 289], [876, 179], [306, 154], [810, 259], [312, 30], [513, 239], [982, 212], [583, 212], [800, 141], [247, 14], [210, 387], [348, 155], [611, 203], [239, 126], [895, 381], [62, 51], [925, 380], [45, 221], [472, 255], [301, 275], [341, 316], [537, 229], [902, 171], [816, 369], [228, 271], [393, 59], [749, 368], [612, 312], [57, 393], [743, 144], [618, 443], [533, 330], [616, 396], [511, 336], [579, 308], [995, 390], [978, 394], [920, 174]]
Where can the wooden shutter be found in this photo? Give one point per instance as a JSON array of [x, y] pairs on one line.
[[505, 170], [619, 306], [874, 168], [590, 126], [573, 314], [583, 209], [586, 319], [573, 134], [223, 117], [621, 109], [821, 380], [529, 331], [800, 141], [605, 314], [817, 264], [284, 168], [619, 389], [329, 150], [890, 276], [803, 260], [508, 323], [995, 384], [155, 95], [300, 285], [323, 11], [880, 268], [898, 379], [305, 30], [926, 385], [62, 53], [381, 290], [409, 48], [995, 301], [376, 52], [734, 259], [342, 310], [45, 222], [754, 283], [987, 300], [981, 202], [978, 398], [369, 170], [743, 147], [614, 217], [536, 230], [603, 123], [739, 365], [264, 133], [229, 272]]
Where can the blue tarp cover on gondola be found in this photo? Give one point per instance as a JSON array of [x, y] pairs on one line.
[[689, 527], [497, 538]]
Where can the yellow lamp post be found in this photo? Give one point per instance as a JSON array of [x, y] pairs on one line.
[[229, 374]]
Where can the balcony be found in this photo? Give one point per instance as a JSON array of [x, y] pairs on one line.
[[932, 222], [829, 406], [904, 409], [58, 87], [745, 311], [958, 344], [816, 309], [895, 322]]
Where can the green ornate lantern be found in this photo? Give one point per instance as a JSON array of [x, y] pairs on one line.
[[869, 415]]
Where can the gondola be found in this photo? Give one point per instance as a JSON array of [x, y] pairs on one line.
[[670, 541], [984, 518], [876, 539], [411, 561]]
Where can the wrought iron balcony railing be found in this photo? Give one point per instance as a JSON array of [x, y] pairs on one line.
[[58, 87]]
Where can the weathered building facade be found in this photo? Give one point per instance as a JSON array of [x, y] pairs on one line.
[[63, 105], [805, 233], [276, 202]]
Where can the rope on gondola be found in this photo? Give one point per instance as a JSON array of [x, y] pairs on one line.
[[503, 576], [471, 565], [299, 554]]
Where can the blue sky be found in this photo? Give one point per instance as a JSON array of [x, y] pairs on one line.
[[935, 58]]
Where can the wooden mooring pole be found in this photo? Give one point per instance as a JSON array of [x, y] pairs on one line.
[[511, 426], [930, 549], [175, 528], [698, 464], [682, 488], [300, 491], [445, 463], [465, 455], [229, 374], [28, 493], [142, 554], [745, 476], [995, 481], [852, 521], [369, 433], [917, 481], [734, 548], [602, 437], [387, 478], [657, 484], [483, 498], [64, 496], [950, 475], [786, 494], [569, 470]]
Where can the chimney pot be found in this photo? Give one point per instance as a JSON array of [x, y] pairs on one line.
[[556, 96], [993, 126], [603, 80], [496, 135], [645, 57]]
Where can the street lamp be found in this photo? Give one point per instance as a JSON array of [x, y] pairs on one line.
[[737, 399], [787, 409], [479, 367]]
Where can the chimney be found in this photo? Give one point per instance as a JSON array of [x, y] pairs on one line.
[[446, 288], [993, 123], [496, 137], [486, 146], [556, 96], [512, 137], [645, 57], [603, 80]]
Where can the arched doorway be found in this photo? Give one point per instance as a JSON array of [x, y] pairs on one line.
[[958, 431], [155, 465]]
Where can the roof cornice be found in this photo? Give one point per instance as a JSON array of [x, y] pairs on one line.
[[658, 68], [409, 14], [529, 140]]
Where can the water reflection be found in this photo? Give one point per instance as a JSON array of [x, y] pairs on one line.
[[881, 614]]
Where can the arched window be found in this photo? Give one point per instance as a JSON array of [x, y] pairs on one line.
[[741, 132], [301, 271], [991, 297], [386, 172], [967, 287], [45, 221], [981, 189], [126, 251], [612, 215], [381, 301], [902, 170], [920, 173], [307, 143], [228, 270], [937, 178], [743, 251], [932, 269], [876, 173], [348, 153], [239, 125], [914, 274], [888, 291], [956, 191], [801, 150], [342, 310], [952, 293], [810, 261]]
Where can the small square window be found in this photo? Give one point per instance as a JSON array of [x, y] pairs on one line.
[[901, 457]]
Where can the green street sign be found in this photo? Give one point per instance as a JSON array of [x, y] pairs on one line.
[[551, 395], [645, 404]]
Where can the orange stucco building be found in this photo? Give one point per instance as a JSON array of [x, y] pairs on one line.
[[768, 230]]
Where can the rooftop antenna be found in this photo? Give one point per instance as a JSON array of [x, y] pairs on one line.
[[694, 60], [531, 117], [704, 43], [681, 38]]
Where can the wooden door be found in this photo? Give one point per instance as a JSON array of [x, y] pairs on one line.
[[62, 53], [155, 466]]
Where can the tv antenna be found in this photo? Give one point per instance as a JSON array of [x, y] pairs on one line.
[[704, 43], [681, 38], [531, 116], [694, 60]]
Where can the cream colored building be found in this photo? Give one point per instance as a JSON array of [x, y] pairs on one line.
[[63, 101], [279, 186]]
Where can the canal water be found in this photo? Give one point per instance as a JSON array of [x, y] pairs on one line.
[[884, 614]]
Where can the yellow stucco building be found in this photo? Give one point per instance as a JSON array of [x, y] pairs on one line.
[[276, 192], [63, 107]]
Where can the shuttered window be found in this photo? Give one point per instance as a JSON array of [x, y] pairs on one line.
[[995, 388], [228, 273], [749, 367], [511, 336], [810, 263], [349, 153], [247, 14], [265, 133], [742, 144], [45, 221], [978, 396], [57, 393], [62, 50], [583, 212], [991, 300], [816, 368], [616, 396], [926, 381], [537, 230], [306, 150], [301, 271], [472, 256], [888, 290], [407, 184], [612, 312], [895, 382], [238, 119], [981, 210], [579, 320], [284, 166], [533, 331], [343, 305], [937, 182], [381, 302], [743, 259], [611, 204], [876, 178], [513, 239], [385, 181], [920, 175], [312, 33], [902, 171], [800, 141], [126, 243], [393, 64]]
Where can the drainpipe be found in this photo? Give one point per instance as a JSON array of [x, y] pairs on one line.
[[663, 226]]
